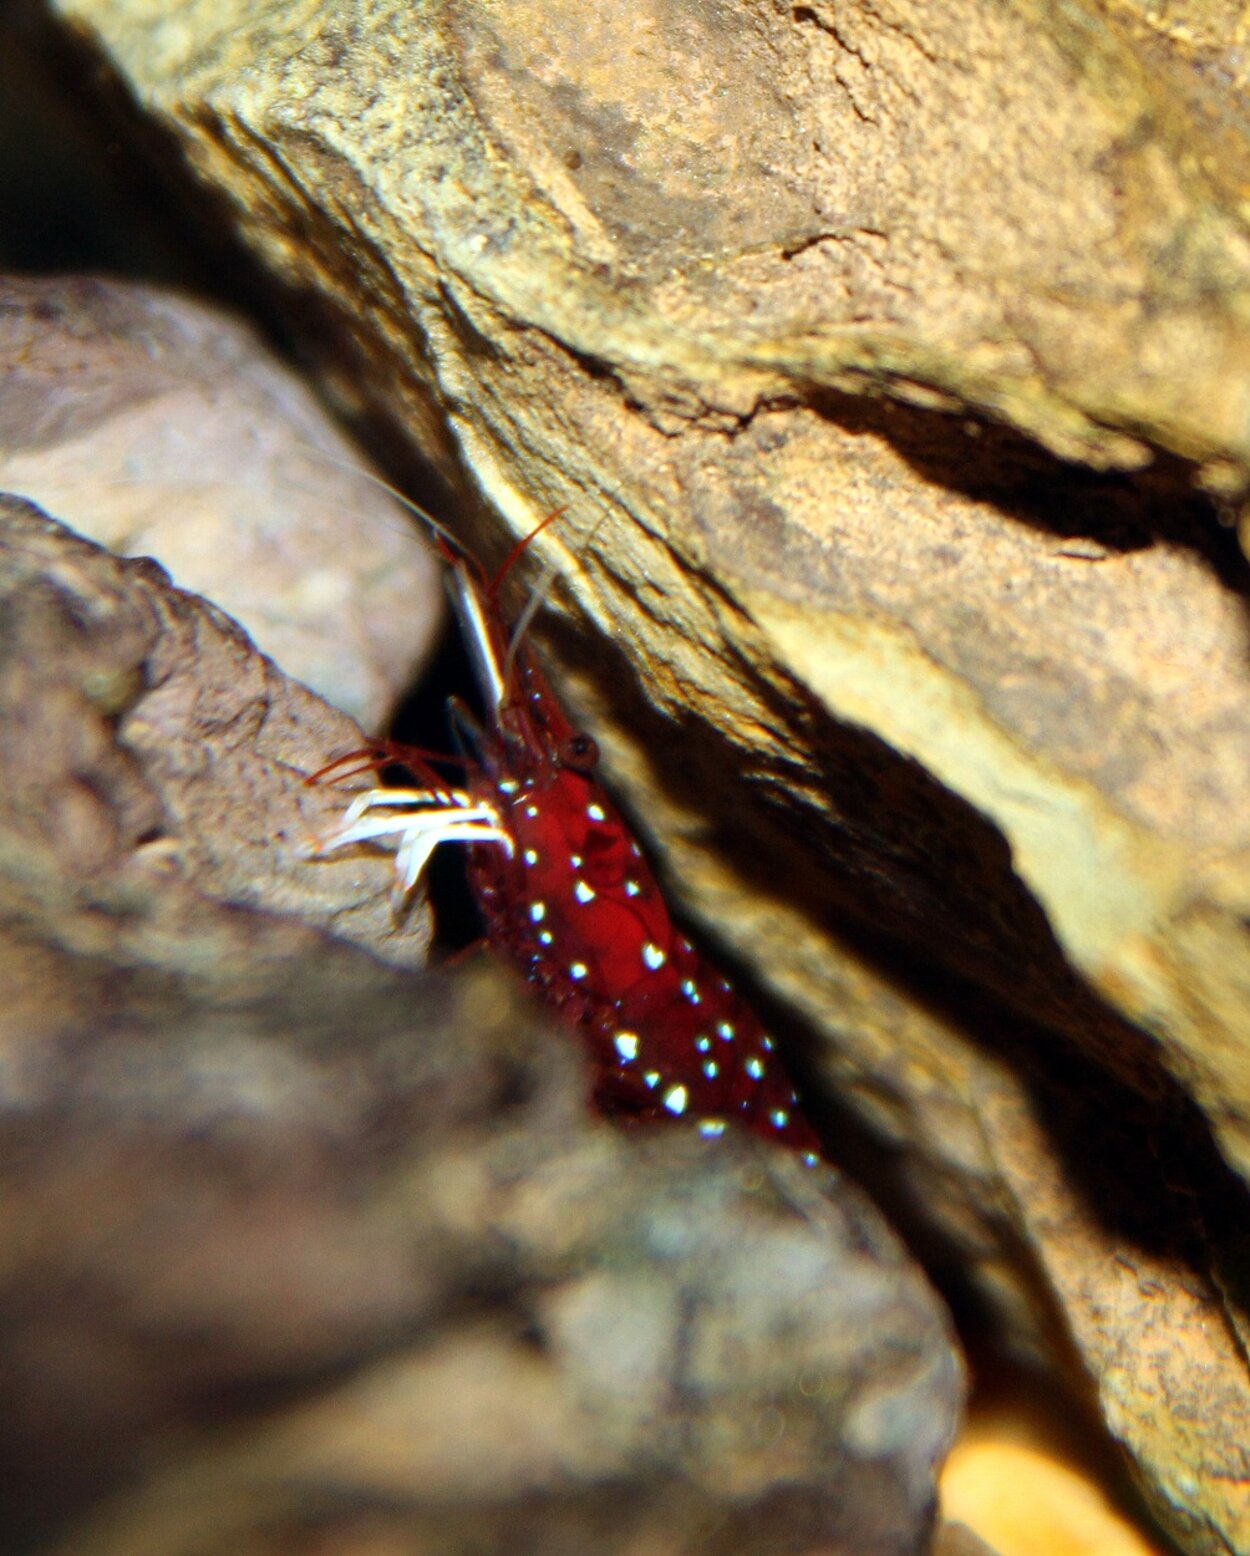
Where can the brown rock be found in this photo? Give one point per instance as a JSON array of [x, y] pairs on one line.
[[250, 1175], [673, 1349], [111, 671], [1140, 1245], [956, 1539]]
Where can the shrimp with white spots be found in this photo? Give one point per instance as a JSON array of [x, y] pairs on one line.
[[567, 895]]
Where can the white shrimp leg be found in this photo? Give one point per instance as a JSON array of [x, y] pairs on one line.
[[418, 841], [420, 819]]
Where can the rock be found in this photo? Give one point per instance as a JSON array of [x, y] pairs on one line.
[[810, 200], [672, 1347], [956, 1539], [163, 427], [112, 673], [296, 1239]]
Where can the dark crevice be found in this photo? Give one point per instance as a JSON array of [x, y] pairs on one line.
[[1130, 1139], [989, 462]]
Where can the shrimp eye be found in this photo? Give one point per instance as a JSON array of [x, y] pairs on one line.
[[580, 753]]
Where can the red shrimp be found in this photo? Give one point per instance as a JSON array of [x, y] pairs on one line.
[[567, 894]]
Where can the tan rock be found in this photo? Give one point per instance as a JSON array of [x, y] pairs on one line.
[[162, 427]]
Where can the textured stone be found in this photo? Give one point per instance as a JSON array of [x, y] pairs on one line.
[[109, 666]]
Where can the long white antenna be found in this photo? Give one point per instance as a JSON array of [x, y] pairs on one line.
[[535, 603], [415, 508], [479, 641]]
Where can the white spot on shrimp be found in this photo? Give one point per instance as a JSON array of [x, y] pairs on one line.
[[711, 1128], [652, 1078], [626, 1045], [779, 1118], [702, 1043], [767, 1044], [576, 861], [754, 1068], [531, 856], [810, 1159], [508, 786], [653, 956], [691, 990], [632, 888], [675, 1099], [596, 812], [584, 893], [531, 811], [726, 1030], [577, 971], [538, 912], [711, 1069], [546, 937]]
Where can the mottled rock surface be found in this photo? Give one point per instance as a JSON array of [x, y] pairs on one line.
[[110, 670]]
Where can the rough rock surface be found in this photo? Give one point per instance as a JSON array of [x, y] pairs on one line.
[[878, 353], [108, 666], [301, 1251]]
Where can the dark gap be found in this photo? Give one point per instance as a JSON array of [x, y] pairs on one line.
[[422, 720], [1121, 510], [77, 192]]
